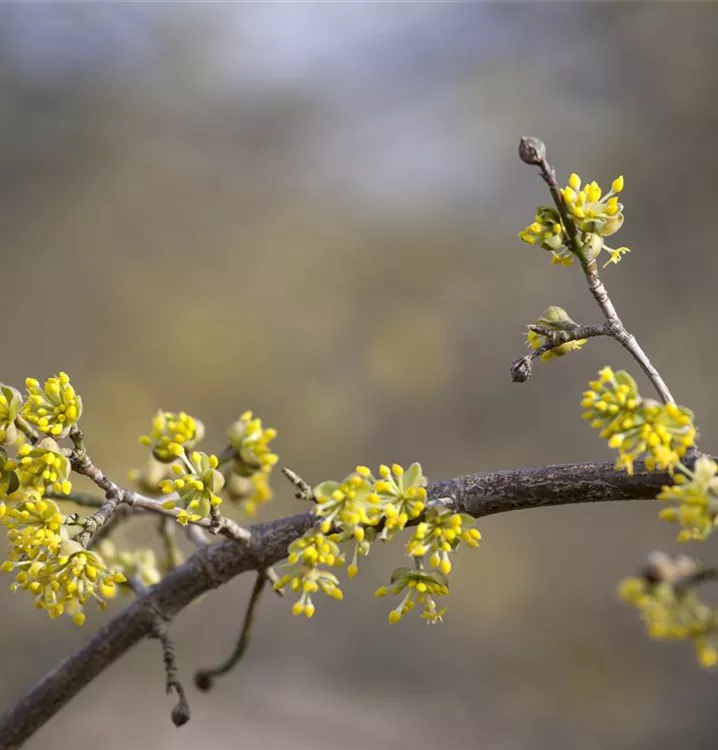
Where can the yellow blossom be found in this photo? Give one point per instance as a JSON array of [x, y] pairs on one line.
[[668, 603], [591, 211], [440, 534], [635, 426], [42, 466], [419, 587], [63, 583], [696, 493], [52, 408], [172, 434], [197, 483]]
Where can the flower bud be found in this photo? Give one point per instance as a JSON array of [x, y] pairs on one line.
[[532, 150]]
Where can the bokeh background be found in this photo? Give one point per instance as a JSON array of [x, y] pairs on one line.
[[310, 210]]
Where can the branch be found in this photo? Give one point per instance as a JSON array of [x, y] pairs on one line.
[[533, 151], [204, 678], [116, 497], [521, 367], [213, 565], [180, 713]]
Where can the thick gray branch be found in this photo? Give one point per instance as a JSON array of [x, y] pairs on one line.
[[213, 565]]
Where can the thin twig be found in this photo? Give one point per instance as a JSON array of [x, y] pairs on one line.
[[304, 489], [204, 678], [227, 527], [521, 368], [121, 514], [196, 535], [180, 713], [83, 499], [115, 495], [533, 151]]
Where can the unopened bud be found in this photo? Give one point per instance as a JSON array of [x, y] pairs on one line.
[[532, 150], [521, 369]]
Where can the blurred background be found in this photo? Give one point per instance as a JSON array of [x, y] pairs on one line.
[[310, 210]]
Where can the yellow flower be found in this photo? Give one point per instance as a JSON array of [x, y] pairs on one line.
[[401, 496], [248, 492], [440, 534], [53, 408], [137, 563], [43, 466], [696, 494], [306, 577], [248, 473], [34, 525], [197, 485], [420, 587], [346, 504], [314, 548], [250, 442], [616, 254], [172, 434], [547, 232], [635, 426], [63, 583], [669, 606], [591, 211]]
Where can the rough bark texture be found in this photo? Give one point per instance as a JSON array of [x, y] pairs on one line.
[[213, 565]]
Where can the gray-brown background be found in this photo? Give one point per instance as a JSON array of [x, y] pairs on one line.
[[311, 210]]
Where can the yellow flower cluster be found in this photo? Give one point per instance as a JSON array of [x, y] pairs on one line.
[[670, 607], [547, 232], [696, 494], [248, 492], [421, 587], [33, 525], [248, 474], [197, 485], [440, 534], [592, 211], [61, 574], [360, 509], [350, 504], [307, 554], [251, 444], [555, 319], [172, 434], [42, 466], [402, 495], [10, 403], [635, 426], [140, 564], [53, 408], [594, 215]]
